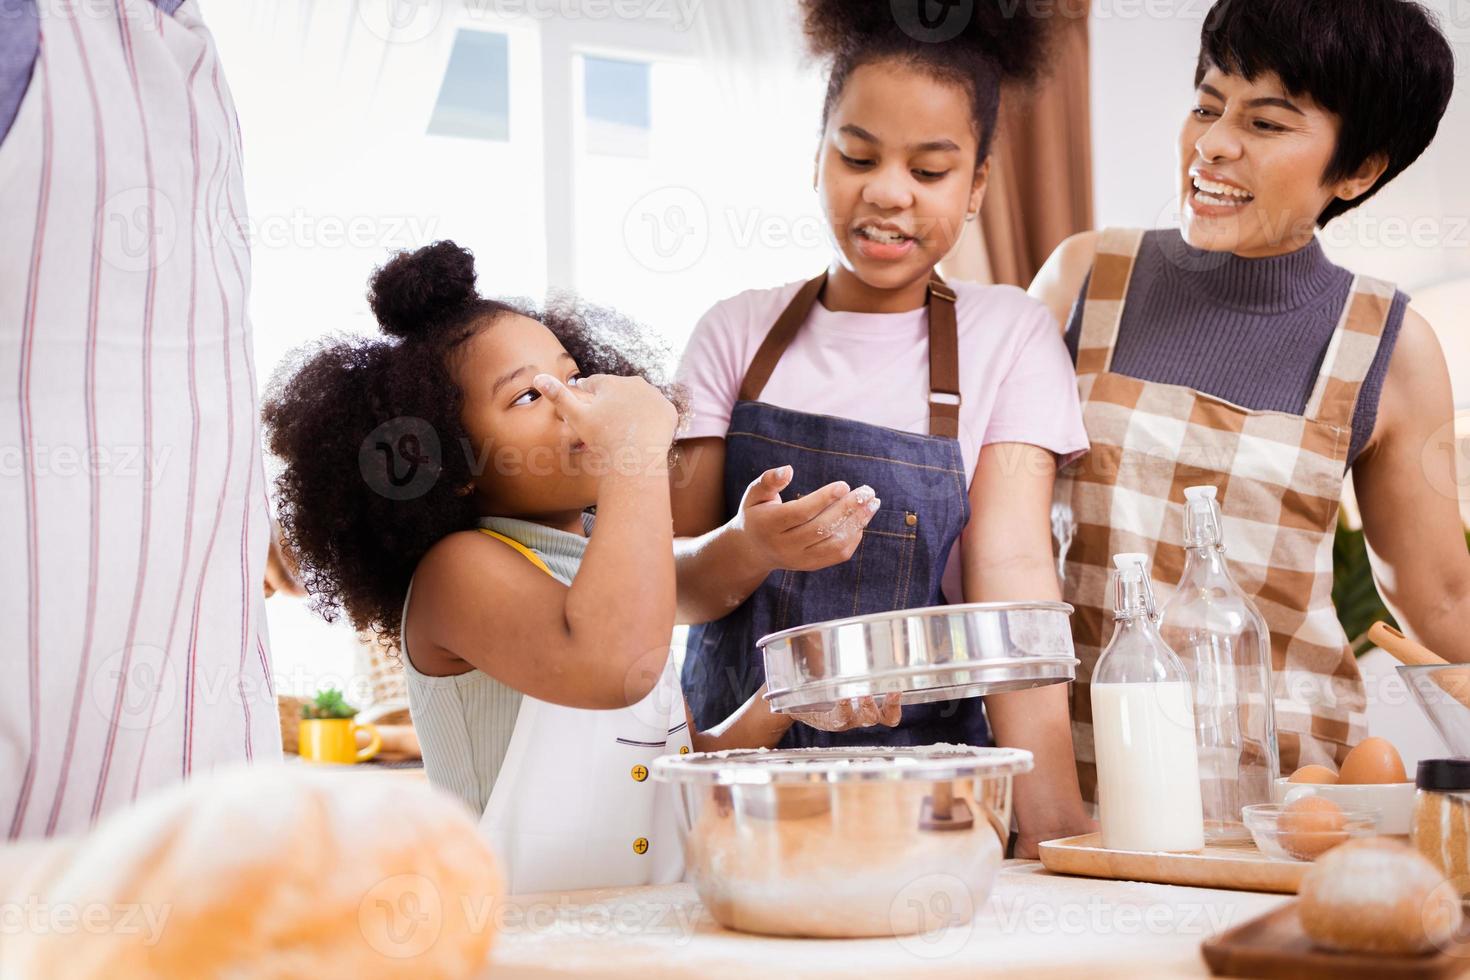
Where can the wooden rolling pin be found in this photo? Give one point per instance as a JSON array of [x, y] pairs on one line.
[[1404, 649], [1455, 683]]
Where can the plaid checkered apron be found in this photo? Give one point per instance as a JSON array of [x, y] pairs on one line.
[[1280, 481]]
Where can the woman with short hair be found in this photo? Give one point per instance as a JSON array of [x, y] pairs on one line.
[[1232, 352]]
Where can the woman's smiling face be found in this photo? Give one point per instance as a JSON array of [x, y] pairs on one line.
[[1251, 161], [896, 172]]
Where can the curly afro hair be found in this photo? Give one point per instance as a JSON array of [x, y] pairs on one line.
[[375, 454], [977, 44]]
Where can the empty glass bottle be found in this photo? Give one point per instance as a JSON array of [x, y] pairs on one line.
[[1225, 645]]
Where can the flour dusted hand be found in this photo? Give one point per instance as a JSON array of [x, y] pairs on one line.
[[821, 529]]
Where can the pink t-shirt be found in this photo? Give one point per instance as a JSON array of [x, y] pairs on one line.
[[1016, 378]]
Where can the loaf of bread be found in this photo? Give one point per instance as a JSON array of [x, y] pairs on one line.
[[279, 871], [1378, 896]]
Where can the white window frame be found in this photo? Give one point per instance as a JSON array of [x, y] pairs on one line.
[[563, 42]]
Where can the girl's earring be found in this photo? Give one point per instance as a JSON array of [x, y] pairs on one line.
[[971, 215]]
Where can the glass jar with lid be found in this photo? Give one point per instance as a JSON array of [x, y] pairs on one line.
[[1441, 830]]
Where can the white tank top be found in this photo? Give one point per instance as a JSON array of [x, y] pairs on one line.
[[464, 721]]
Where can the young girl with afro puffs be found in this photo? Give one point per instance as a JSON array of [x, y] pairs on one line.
[[439, 488], [956, 402]]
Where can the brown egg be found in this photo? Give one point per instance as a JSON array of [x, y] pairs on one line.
[[1374, 760], [1313, 774], [1311, 826]]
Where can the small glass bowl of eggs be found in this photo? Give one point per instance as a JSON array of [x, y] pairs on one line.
[[1306, 828], [1372, 777]]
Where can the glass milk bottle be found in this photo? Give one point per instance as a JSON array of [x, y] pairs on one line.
[[1223, 641], [1143, 728]]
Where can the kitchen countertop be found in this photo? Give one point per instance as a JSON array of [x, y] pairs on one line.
[[411, 768], [1035, 924]]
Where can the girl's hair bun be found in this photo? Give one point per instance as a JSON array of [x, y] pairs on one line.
[[1005, 32], [417, 293]]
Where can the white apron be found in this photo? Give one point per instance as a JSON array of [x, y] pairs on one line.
[[575, 804], [133, 517]]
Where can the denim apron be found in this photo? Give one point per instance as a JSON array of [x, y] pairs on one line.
[[901, 559]]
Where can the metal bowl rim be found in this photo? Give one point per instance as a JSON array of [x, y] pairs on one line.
[[923, 612], [921, 670], [732, 767]]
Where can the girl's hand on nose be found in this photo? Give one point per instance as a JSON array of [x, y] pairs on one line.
[[809, 533], [614, 416]]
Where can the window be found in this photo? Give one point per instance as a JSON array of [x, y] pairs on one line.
[[616, 99], [713, 204], [474, 100]]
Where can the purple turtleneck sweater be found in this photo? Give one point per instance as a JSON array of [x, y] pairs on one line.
[[1250, 331]]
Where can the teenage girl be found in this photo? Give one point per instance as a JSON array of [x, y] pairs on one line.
[[438, 488], [954, 402]]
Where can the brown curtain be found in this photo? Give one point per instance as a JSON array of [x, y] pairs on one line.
[[1040, 188]]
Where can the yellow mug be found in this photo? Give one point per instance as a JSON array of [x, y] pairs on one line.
[[335, 740]]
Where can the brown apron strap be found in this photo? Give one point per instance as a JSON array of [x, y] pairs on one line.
[[944, 358], [1351, 352], [1107, 288], [944, 361], [779, 338]]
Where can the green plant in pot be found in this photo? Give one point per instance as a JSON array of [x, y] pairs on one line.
[[329, 732], [328, 704]]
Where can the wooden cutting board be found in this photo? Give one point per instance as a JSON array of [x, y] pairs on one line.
[[1240, 867], [1273, 947]]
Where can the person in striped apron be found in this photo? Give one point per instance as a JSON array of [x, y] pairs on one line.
[[1234, 353], [132, 501]]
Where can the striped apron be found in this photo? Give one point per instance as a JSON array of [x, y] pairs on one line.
[[1280, 480], [132, 501]]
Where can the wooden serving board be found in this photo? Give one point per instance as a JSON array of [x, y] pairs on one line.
[[1273, 947], [1240, 867]]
